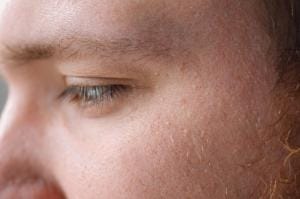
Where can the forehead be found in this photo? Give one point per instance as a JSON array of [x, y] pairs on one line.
[[36, 18], [174, 23]]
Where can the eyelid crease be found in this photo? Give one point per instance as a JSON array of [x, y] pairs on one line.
[[103, 81]]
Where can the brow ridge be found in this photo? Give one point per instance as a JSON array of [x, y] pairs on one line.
[[78, 47]]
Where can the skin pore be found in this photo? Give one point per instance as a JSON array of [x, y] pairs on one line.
[[188, 108]]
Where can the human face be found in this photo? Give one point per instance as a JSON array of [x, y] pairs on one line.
[[137, 99]]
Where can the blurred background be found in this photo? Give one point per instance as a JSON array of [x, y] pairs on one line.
[[3, 94]]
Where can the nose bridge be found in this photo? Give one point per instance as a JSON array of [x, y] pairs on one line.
[[19, 125], [20, 130], [18, 135], [23, 121], [22, 162]]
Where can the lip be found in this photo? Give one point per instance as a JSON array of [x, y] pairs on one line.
[[36, 189]]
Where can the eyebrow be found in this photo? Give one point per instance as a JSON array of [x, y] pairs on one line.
[[71, 48]]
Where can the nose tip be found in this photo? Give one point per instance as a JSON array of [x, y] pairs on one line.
[[30, 189], [24, 172], [24, 169], [24, 179]]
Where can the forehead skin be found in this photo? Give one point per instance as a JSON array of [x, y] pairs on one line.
[[175, 25]]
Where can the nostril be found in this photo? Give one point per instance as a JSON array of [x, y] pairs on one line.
[[30, 189], [22, 178]]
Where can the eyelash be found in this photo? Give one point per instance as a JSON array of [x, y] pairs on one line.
[[92, 95]]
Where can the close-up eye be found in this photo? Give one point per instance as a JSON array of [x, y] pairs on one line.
[[95, 98], [93, 95]]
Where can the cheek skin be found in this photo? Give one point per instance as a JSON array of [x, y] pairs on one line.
[[224, 152], [192, 140]]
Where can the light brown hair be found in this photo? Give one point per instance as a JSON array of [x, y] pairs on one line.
[[285, 26]]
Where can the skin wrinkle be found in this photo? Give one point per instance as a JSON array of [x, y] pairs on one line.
[[181, 33], [78, 48], [156, 32]]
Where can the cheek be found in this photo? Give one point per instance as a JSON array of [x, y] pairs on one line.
[[159, 164], [195, 146], [153, 160]]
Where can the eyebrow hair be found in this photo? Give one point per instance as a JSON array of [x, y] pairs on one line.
[[24, 53], [79, 47]]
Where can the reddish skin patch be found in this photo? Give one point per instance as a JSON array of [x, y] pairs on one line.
[[32, 190]]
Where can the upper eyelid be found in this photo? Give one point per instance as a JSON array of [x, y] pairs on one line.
[[95, 81], [100, 81]]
